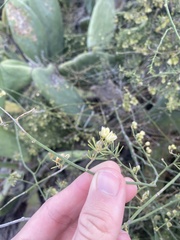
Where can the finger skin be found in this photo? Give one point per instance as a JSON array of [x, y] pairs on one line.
[[103, 212], [123, 236], [131, 190], [61, 212]]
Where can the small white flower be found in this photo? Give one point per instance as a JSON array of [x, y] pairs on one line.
[[145, 196], [168, 214], [136, 169], [111, 137], [169, 224], [142, 133], [140, 136], [148, 150], [134, 125], [174, 212], [171, 148], [2, 93], [107, 135], [104, 132], [147, 143]]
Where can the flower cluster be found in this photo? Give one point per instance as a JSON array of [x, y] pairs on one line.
[[13, 178], [145, 196], [171, 148], [107, 135], [128, 101], [103, 147], [134, 125], [60, 161], [136, 169], [148, 150], [140, 136]]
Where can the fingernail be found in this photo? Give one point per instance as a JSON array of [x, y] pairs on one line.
[[108, 183], [123, 235]]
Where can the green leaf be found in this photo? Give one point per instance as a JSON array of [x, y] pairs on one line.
[[86, 65], [57, 90], [14, 75], [89, 5], [36, 27], [102, 24], [50, 16], [27, 30], [2, 94], [9, 147]]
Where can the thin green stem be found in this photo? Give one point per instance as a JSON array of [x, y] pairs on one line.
[[148, 162], [4, 4], [130, 221], [32, 187], [143, 218], [170, 18], [169, 166], [126, 137], [137, 182], [25, 165], [42, 145], [157, 50]]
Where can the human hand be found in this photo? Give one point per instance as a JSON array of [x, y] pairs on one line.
[[90, 208]]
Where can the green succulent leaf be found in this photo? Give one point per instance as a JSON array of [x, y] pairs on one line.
[[102, 24], [57, 90], [2, 94], [165, 120], [86, 65], [14, 75], [89, 5], [9, 147], [26, 28], [36, 27], [81, 62], [50, 16]]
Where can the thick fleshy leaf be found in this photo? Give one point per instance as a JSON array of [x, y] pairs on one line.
[[14, 75], [57, 90], [102, 24], [86, 65], [49, 14], [26, 28], [9, 147]]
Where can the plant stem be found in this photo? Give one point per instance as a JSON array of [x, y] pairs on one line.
[[131, 220], [170, 18], [22, 219], [154, 211], [126, 137], [42, 145]]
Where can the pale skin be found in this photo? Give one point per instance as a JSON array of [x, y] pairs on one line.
[[90, 208]]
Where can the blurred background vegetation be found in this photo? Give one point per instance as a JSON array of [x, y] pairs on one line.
[[69, 67]]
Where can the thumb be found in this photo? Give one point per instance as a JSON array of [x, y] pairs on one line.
[[102, 214]]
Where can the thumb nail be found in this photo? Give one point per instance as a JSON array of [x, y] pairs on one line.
[[108, 182]]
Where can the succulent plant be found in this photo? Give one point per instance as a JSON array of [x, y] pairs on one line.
[[9, 146], [88, 67], [89, 5], [36, 27], [14, 75], [49, 14], [102, 24], [165, 120], [57, 91]]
